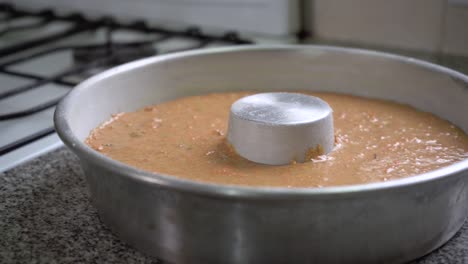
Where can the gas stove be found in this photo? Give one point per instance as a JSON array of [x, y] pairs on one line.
[[43, 55]]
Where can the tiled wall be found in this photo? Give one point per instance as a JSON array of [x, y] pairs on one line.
[[269, 17], [435, 26], [455, 39]]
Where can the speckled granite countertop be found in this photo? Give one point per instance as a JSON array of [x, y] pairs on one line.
[[46, 217]]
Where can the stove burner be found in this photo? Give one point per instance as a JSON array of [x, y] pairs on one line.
[[46, 17], [119, 53], [87, 59]]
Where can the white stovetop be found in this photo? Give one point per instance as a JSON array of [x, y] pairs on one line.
[[46, 66]]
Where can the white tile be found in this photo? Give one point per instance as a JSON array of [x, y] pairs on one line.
[[409, 24], [455, 40], [272, 17]]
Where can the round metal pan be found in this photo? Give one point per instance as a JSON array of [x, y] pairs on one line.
[[183, 221]]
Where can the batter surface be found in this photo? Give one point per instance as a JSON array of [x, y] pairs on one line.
[[375, 141]]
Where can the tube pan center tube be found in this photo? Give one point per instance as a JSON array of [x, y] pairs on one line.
[[280, 128]]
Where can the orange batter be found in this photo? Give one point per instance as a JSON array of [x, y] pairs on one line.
[[375, 141]]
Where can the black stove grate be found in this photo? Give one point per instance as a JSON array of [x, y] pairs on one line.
[[103, 55]]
